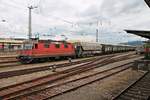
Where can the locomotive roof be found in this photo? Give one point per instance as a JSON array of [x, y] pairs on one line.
[[50, 41], [45, 41]]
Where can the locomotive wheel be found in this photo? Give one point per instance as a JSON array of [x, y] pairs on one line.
[[28, 61]]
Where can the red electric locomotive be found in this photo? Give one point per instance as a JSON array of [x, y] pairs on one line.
[[40, 49]]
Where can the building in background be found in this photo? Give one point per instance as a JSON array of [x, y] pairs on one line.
[[7, 44]]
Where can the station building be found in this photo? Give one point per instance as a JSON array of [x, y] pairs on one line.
[[8, 44]]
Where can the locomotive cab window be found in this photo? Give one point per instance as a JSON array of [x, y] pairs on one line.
[[36, 46], [27, 46], [57, 45], [65, 46], [46, 45]]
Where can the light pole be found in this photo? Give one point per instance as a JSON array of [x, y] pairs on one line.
[[30, 22], [3, 44], [97, 30], [97, 35]]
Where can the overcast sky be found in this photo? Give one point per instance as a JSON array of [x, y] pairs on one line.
[[76, 19]]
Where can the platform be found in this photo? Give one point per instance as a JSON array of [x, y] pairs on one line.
[[142, 64]]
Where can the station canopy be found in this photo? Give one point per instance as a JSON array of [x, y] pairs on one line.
[[147, 2], [142, 33]]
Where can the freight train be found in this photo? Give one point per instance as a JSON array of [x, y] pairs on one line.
[[48, 49]]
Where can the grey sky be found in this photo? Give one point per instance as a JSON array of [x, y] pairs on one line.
[[77, 19]]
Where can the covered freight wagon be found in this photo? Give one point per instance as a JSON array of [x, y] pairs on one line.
[[86, 48]]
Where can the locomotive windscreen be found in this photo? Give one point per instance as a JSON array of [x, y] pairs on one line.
[[27, 46]]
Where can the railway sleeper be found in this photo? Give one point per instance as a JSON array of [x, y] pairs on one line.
[[34, 97], [137, 93], [141, 86], [133, 96], [143, 90], [144, 83], [124, 97], [30, 98]]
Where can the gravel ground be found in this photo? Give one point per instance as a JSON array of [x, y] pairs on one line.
[[17, 79], [104, 89], [27, 66], [11, 68]]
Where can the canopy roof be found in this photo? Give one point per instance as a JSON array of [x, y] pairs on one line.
[[147, 2], [142, 33]]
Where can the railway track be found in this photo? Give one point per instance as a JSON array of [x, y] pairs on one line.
[[66, 86], [12, 62], [12, 73], [9, 64], [7, 74], [7, 61], [8, 57], [19, 90], [139, 90]]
